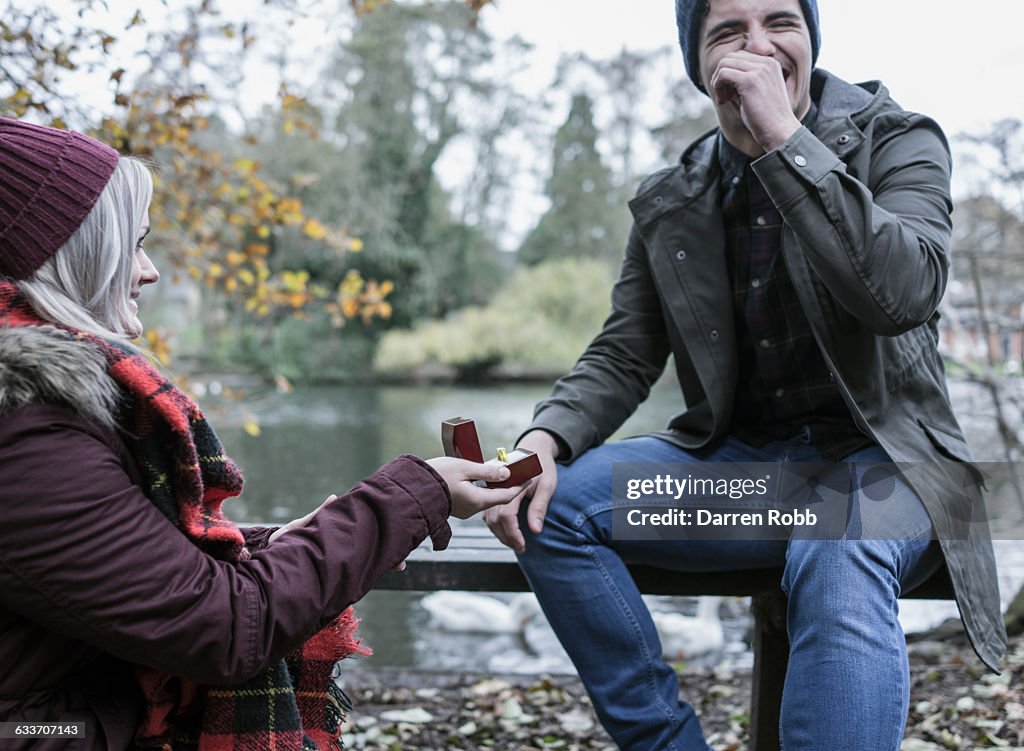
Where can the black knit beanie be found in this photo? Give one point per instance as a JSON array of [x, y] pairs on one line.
[[690, 17]]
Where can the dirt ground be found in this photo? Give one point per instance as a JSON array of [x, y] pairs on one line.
[[955, 704]]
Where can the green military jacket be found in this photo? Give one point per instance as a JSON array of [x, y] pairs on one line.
[[866, 206]]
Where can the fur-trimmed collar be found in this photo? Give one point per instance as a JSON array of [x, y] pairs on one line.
[[45, 364]]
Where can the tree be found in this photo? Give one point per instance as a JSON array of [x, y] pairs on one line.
[[688, 115], [988, 260], [215, 211], [647, 126], [409, 82], [587, 218]]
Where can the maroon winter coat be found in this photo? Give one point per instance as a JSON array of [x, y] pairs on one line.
[[93, 578]]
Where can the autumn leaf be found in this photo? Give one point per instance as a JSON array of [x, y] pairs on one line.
[[314, 229], [157, 345], [252, 426], [362, 7]]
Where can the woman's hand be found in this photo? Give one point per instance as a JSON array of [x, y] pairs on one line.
[[468, 498]]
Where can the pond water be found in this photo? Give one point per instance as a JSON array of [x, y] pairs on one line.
[[319, 440]]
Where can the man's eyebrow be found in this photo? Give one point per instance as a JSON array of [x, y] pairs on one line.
[[784, 14], [736, 23]]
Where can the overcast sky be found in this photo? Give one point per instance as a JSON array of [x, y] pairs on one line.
[[960, 62]]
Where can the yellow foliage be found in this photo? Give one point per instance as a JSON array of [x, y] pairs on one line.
[[245, 166], [295, 281], [352, 284], [362, 7], [372, 302], [314, 229], [350, 307], [289, 211], [157, 345]]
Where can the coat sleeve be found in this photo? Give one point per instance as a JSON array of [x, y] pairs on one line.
[[615, 373], [880, 243], [85, 554]]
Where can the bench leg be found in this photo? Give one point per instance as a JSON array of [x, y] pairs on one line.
[[771, 655]]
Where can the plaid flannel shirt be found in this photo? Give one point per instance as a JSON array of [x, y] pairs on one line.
[[785, 389]]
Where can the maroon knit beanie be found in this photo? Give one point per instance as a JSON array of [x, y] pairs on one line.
[[49, 180]]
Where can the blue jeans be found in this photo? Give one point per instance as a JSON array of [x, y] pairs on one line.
[[848, 683]]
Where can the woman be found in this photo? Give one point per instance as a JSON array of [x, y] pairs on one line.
[[127, 600]]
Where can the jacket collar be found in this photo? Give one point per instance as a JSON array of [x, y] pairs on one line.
[[45, 364]]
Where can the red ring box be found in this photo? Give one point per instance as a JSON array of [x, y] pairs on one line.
[[459, 439]]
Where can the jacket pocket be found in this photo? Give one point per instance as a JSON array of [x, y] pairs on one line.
[[954, 447], [948, 443]]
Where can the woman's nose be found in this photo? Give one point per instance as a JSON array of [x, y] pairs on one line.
[[150, 275]]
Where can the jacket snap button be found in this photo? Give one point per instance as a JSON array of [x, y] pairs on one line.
[[714, 335], [681, 255], [800, 161], [658, 199], [843, 139]]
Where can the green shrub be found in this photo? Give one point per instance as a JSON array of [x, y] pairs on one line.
[[539, 322]]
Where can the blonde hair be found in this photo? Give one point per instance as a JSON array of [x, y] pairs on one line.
[[86, 284]]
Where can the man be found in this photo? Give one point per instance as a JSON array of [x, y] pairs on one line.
[[792, 264]]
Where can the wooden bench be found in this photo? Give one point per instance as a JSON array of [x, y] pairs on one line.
[[476, 562]]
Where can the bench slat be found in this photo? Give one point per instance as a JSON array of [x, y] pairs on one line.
[[476, 561]]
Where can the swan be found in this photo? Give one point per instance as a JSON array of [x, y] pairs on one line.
[[538, 635], [916, 616], [543, 651], [469, 612], [691, 635]]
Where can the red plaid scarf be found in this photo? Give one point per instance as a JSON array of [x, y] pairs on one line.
[[293, 706]]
